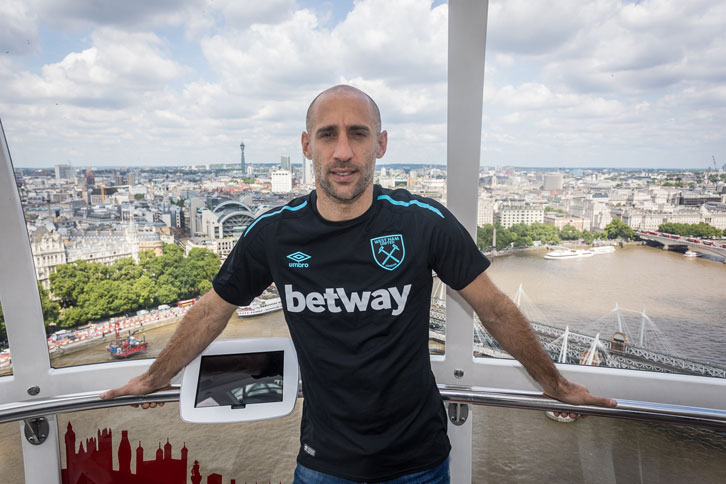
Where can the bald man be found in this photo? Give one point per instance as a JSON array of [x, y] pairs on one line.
[[353, 264]]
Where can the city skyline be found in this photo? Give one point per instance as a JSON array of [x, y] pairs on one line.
[[597, 84]]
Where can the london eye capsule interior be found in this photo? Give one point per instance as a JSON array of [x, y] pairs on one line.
[[123, 189]]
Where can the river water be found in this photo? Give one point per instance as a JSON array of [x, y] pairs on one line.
[[684, 298]]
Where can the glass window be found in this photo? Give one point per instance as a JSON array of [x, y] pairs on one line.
[[155, 442], [583, 207], [512, 445], [116, 208], [11, 453], [635, 307]]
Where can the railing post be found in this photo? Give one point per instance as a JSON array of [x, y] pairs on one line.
[[467, 45]]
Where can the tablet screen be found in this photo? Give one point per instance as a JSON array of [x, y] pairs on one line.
[[241, 379]]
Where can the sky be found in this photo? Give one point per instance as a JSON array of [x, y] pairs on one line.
[[570, 83]]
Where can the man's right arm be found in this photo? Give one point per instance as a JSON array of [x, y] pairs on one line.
[[199, 327]]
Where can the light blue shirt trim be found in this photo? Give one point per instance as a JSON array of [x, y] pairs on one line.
[[412, 202], [286, 207]]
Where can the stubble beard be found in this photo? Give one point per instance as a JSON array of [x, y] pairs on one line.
[[323, 183]]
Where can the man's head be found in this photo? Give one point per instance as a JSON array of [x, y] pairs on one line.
[[342, 88], [343, 139]]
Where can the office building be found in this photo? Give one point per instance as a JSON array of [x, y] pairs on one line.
[[63, 172], [281, 181]]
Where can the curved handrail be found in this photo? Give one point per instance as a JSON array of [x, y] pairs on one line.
[[626, 409]]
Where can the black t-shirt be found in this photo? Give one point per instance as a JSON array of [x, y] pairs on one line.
[[356, 296]]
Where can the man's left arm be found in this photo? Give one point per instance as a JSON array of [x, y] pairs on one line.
[[511, 329]]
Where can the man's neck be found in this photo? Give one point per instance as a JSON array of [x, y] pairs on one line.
[[335, 210]]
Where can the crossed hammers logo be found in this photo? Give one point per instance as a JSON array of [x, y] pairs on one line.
[[389, 255]]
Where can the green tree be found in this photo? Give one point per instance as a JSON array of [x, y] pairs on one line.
[[619, 229], [166, 293], [126, 269], [701, 229], [71, 317], [484, 236], [51, 308], [69, 281], [569, 232], [504, 237], [203, 265], [205, 287], [587, 237], [144, 291], [92, 291], [138, 196], [545, 233]]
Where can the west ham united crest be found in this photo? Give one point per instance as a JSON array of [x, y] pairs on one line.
[[388, 251]]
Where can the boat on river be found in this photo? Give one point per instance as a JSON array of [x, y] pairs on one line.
[[127, 347], [691, 254], [559, 254], [259, 307]]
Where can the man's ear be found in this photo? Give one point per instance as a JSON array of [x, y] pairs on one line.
[[382, 144], [305, 141]]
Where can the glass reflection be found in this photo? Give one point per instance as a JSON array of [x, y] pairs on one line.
[[511, 445], [142, 445], [11, 453]]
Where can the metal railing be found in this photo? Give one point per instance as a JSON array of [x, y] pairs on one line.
[[626, 409]]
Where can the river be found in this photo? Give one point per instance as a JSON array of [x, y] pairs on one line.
[[683, 297]]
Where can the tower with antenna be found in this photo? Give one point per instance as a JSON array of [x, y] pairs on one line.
[[244, 166]]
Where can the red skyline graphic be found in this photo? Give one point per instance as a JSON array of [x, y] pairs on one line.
[[93, 464]]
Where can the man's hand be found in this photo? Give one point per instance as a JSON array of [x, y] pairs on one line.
[[513, 332], [204, 321], [139, 385], [576, 394]]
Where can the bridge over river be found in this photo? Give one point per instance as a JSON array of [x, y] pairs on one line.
[[622, 350], [673, 242]]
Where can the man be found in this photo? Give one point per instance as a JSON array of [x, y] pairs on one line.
[[353, 264]]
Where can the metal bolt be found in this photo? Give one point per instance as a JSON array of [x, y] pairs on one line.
[[459, 373], [36, 430], [34, 390]]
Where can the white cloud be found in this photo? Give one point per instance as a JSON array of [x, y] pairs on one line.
[[18, 31], [132, 14], [569, 80], [240, 15], [116, 71]]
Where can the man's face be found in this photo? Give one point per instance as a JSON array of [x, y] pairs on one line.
[[343, 143]]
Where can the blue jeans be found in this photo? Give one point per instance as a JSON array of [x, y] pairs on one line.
[[436, 475]]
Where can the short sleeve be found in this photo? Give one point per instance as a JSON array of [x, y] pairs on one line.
[[454, 255], [245, 273]]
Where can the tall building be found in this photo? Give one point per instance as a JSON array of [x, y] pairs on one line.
[[281, 181], [63, 172], [518, 214], [285, 163], [196, 205], [553, 181], [485, 211], [242, 148], [307, 173]]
